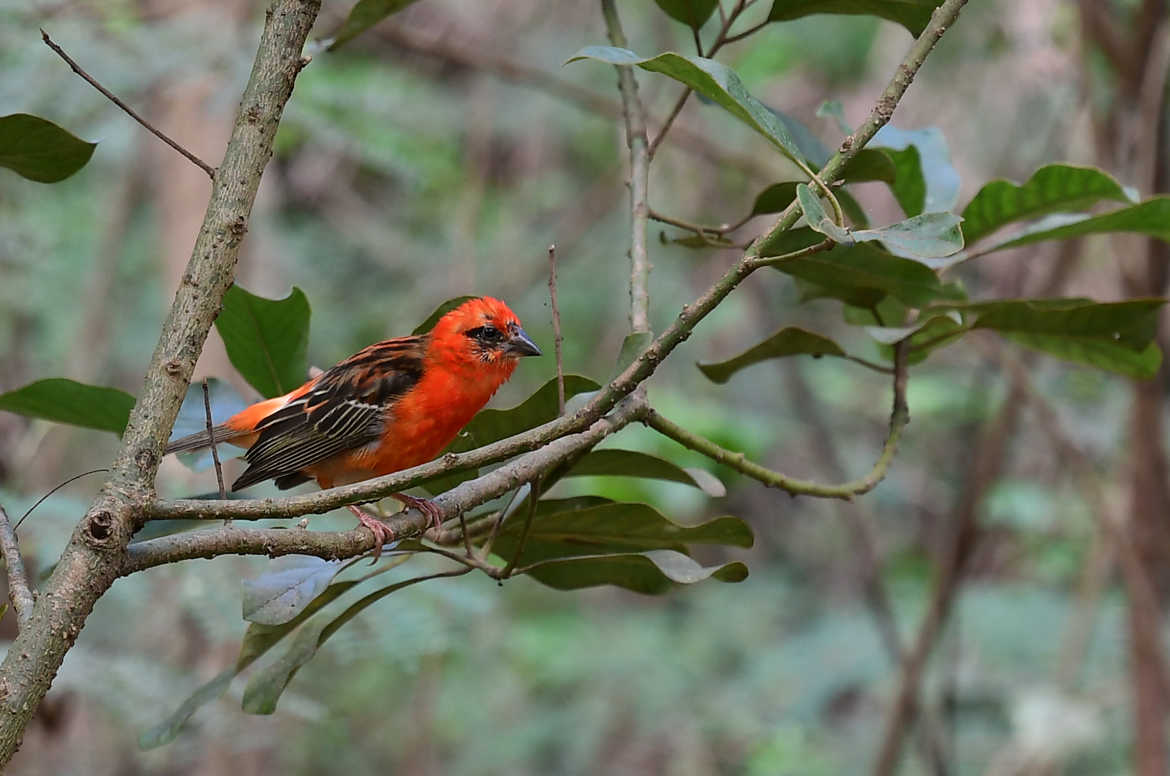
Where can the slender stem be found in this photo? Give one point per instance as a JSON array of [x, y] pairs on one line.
[[899, 418], [700, 229], [749, 31], [635, 120], [558, 340], [525, 531], [214, 447], [18, 590], [195, 160]]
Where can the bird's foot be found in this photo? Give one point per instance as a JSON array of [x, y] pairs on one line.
[[382, 532], [426, 506]]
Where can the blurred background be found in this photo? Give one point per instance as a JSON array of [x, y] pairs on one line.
[[439, 154]]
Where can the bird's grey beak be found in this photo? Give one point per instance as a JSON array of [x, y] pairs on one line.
[[521, 344]]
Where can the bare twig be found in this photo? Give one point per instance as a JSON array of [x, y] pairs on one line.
[[525, 531], [635, 120], [195, 160], [214, 447], [18, 589], [558, 340]]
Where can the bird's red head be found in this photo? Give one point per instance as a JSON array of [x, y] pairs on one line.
[[482, 332]]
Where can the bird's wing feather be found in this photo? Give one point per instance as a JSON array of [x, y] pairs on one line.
[[346, 408]]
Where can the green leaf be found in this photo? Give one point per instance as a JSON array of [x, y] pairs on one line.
[[1151, 218], [869, 165], [1052, 188], [914, 15], [862, 274], [39, 150], [922, 237], [439, 312], [1142, 364], [562, 529], [67, 401], [267, 340], [276, 597], [266, 685], [789, 241], [789, 341], [363, 16], [258, 639], [926, 181], [225, 401], [653, 573], [713, 80], [165, 731], [631, 463], [693, 13]]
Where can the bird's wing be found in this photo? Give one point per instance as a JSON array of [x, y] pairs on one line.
[[346, 408]]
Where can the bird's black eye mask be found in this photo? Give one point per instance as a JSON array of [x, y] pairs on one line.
[[488, 336]]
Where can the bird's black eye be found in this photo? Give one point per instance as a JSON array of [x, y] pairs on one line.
[[488, 335]]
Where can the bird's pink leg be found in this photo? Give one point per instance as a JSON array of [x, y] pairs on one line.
[[382, 532], [426, 506]]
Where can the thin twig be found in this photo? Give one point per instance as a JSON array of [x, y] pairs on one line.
[[18, 589], [700, 229], [556, 322], [54, 489], [635, 120], [211, 436], [195, 160], [525, 531]]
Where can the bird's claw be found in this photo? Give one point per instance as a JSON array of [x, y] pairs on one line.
[[426, 506], [382, 533]]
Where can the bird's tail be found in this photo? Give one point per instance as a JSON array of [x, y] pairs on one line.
[[202, 439]]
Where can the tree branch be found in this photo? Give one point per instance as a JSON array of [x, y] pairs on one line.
[[18, 589], [899, 418], [96, 551], [635, 119], [195, 160]]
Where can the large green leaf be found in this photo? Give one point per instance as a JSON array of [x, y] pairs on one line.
[[926, 181], [713, 80], [280, 594], [863, 274], [1052, 188], [1151, 218], [39, 150], [364, 15], [654, 572], [789, 341], [693, 13], [567, 528], [67, 401], [267, 340], [439, 312], [914, 15], [631, 463]]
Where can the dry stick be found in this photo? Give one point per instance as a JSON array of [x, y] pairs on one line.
[[18, 589], [635, 119], [556, 322], [195, 160], [621, 386], [211, 436]]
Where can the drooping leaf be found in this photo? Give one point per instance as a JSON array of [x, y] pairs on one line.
[[258, 639], [789, 341], [631, 463], [914, 15], [926, 181], [39, 150], [862, 274], [713, 80], [266, 685], [279, 595], [1052, 188], [267, 340], [1151, 218], [922, 237], [364, 15], [653, 573], [1141, 364], [225, 401], [439, 312], [610, 527], [68, 401], [165, 731], [693, 13]]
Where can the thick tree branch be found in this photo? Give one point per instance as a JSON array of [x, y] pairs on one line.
[[634, 116], [18, 589], [94, 556]]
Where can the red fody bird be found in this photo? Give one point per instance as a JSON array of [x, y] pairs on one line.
[[390, 406]]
